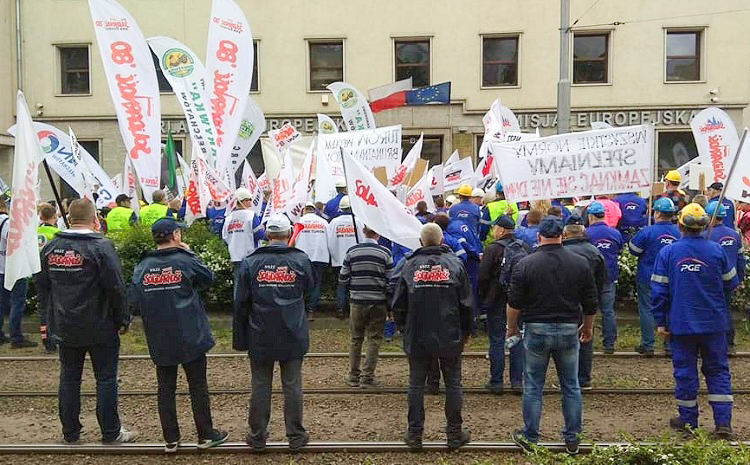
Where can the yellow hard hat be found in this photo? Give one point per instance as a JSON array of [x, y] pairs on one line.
[[464, 190], [693, 216], [673, 176]]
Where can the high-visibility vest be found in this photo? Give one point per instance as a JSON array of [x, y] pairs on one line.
[[498, 208], [119, 219], [46, 233], [151, 213]]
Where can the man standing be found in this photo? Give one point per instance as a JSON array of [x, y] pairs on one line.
[[242, 229], [690, 279], [342, 236], [470, 215], [500, 206], [157, 209], [530, 234], [333, 207], [270, 323], [548, 291], [313, 240], [122, 217], [45, 233], [83, 294], [673, 192], [466, 210], [646, 246], [165, 288], [364, 276], [714, 192], [432, 301], [609, 242]]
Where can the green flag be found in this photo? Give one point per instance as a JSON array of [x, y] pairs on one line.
[[171, 161]]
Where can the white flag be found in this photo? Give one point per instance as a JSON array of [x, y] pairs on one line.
[[374, 204], [281, 189], [129, 188], [117, 181], [82, 186], [326, 125], [738, 186], [22, 252], [197, 196], [301, 191], [461, 172], [131, 77], [420, 192], [251, 183], [354, 107], [437, 180], [499, 120], [252, 126], [716, 138], [454, 158], [408, 165]]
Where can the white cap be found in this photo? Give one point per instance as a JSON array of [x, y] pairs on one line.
[[310, 205], [344, 203], [477, 192], [242, 194], [278, 223], [451, 199], [340, 182]]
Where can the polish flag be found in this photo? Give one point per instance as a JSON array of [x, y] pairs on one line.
[[390, 95]]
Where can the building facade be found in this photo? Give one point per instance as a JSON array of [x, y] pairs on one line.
[[631, 62]]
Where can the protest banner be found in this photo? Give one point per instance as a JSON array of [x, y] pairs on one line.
[[738, 184], [354, 107], [229, 68], [420, 192], [85, 190], [197, 196], [499, 120], [455, 157], [407, 166], [717, 141], [584, 163], [281, 189], [460, 172], [373, 148], [252, 126], [134, 88], [326, 125], [129, 188], [437, 180], [301, 189], [22, 248], [283, 137], [251, 183], [185, 73]]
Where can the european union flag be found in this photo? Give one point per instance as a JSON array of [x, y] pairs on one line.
[[439, 93]]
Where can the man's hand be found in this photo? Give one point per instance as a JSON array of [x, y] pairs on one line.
[[510, 332], [585, 333], [184, 246], [662, 332]]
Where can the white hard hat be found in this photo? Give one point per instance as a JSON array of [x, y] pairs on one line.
[[477, 192], [451, 199], [242, 194], [344, 203], [278, 223], [310, 205], [340, 182]]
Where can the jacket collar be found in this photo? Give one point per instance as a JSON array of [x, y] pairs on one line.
[[431, 250], [574, 240], [166, 252], [79, 234]]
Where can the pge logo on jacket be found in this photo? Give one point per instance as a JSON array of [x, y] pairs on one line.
[[277, 276], [165, 277], [727, 241], [432, 274], [604, 244], [65, 259], [691, 265], [666, 239]]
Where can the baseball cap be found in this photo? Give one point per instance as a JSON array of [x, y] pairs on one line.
[[165, 226], [278, 223], [596, 208], [551, 226], [505, 222], [344, 202], [242, 194], [574, 220], [717, 185], [122, 197]]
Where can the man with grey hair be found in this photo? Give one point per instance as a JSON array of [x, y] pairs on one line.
[[433, 302]]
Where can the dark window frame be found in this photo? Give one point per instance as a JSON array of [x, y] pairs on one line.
[[517, 38], [255, 83], [606, 59], [64, 71], [698, 57], [397, 66], [310, 68]]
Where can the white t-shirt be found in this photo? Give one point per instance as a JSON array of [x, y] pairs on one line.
[[341, 238], [238, 233], [313, 239]]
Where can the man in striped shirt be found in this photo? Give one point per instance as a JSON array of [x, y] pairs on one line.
[[365, 274]]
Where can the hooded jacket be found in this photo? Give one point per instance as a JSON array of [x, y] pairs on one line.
[[165, 288], [269, 315], [433, 301], [81, 289]]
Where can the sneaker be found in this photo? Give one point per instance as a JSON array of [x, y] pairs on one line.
[[22, 343], [433, 389], [462, 439], [124, 437], [413, 442], [219, 437], [494, 388], [351, 382], [648, 353], [171, 447], [72, 441], [723, 432], [296, 446], [369, 384], [521, 441], [680, 426], [608, 350], [572, 447]]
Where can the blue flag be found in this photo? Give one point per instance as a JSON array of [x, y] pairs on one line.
[[439, 93]]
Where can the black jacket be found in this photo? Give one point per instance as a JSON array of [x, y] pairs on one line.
[[269, 315], [165, 287], [553, 285], [491, 292], [584, 248], [432, 300], [81, 289]]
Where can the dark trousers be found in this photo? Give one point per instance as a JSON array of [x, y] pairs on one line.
[[496, 321], [195, 372], [313, 297], [418, 369], [13, 304], [260, 400], [104, 362], [585, 361]]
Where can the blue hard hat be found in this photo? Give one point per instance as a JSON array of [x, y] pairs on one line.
[[596, 208], [664, 204], [499, 186], [711, 208]]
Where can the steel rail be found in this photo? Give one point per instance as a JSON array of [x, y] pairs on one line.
[[283, 447], [362, 391]]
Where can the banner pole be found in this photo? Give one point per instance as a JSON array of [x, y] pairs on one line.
[[57, 194], [726, 183], [354, 222]]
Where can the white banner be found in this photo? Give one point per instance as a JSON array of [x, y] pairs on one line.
[[117, 181], [196, 196], [738, 186], [461, 172], [220, 192], [229, 70], [186, 74], [131, 76], [129, 188], [375, 206], [22, 249], [326, 125], [420, 192], [82, 184], [717, 141], [354, 107], [499, 120], [301, 190], [437, 180], [281, 189], [252, 126], [407, 166], [251, 183], [373, 148], [455, 157], [283, 137], [606, 161]]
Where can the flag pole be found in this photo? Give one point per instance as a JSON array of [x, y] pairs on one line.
[[354, 222], [57, 194], [726, 183]]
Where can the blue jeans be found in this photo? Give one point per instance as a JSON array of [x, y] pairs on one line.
[[104, 362], [496, 332], [342, 297], [607, 306], [643, 291], [13, 303], [559, 341], [313, 297], [585, 361]]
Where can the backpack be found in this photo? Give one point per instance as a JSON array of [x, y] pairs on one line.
[[515, 250]]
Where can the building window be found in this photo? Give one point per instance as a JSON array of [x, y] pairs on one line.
[[675, 149], [92, 147], [255, 85], [413, 60], [683, 56], [499, 61], [591, 58], [164, 86], [326, 63], [432, 148], [74, 69]]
